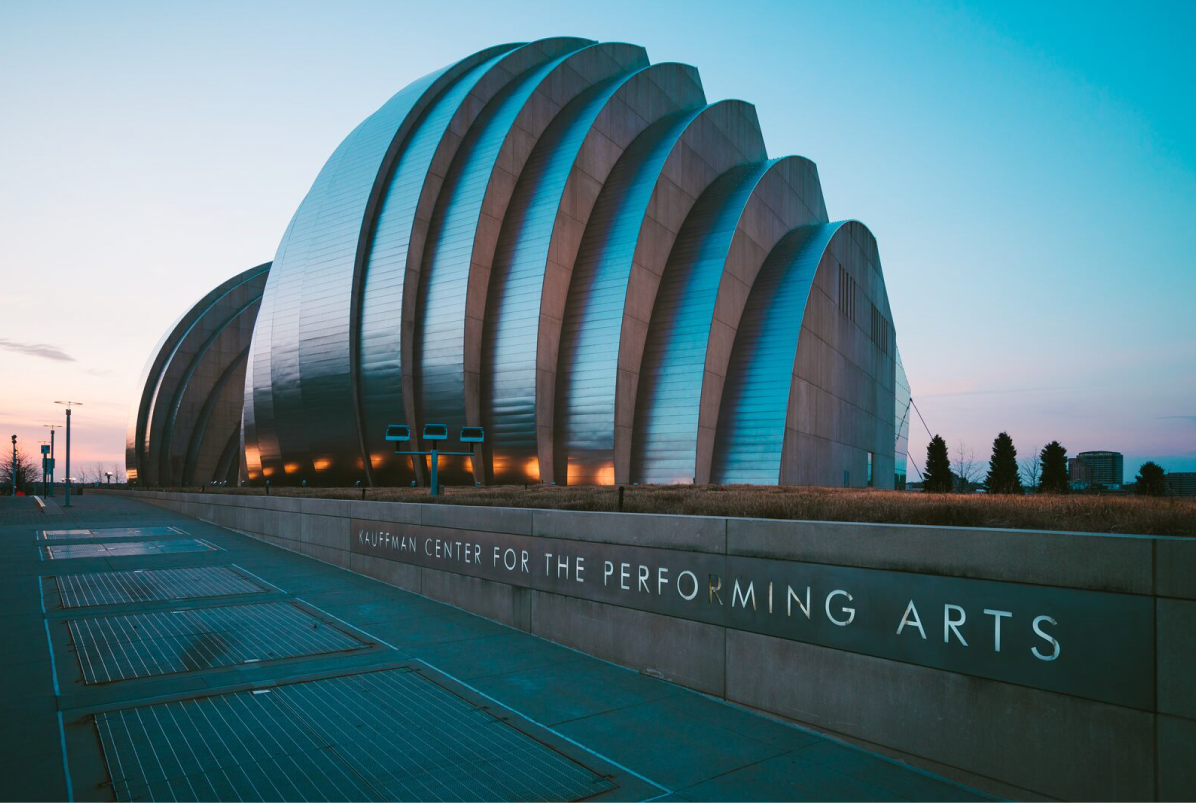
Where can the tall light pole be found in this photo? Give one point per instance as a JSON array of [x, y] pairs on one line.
[[14, 465], [69, 405], [51, 427]]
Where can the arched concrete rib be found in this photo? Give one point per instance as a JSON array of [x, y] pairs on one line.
[[628, 237], [719, 137], [466, 225], [200, 460], [311, 288], [215, 311], [716, 257], [537, 249], [141, 414], [835, 414], [752, 418], [225, 336], [789, 194], [393, 256]]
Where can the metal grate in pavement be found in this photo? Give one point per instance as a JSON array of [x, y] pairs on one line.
[[118, 549], [152, 585], [144, 644], [384, 735], [111, 532]]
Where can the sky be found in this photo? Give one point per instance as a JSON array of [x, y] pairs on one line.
[[1028, 170]]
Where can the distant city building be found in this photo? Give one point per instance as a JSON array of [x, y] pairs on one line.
[[1096, 468], [1180, 483]]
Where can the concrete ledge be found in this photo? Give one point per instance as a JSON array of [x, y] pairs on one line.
[[696, 533], [1110, 563], [517, 521], [1175, 567], [993, 733]]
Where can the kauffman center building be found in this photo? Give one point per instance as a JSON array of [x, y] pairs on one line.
[[569, 247]]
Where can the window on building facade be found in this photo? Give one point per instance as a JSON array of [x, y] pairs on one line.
[[847, 288]]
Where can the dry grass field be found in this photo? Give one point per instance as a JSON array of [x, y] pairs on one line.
[[1080, 513]]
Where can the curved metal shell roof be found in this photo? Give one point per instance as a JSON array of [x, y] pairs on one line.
[[574, 249]]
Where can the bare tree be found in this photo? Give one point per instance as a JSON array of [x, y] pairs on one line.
[[1032, 468], [965, 467], [28, 471]]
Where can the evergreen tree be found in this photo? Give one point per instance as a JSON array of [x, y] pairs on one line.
[[1150, 479], [938, 477], [1002, 467], [1054, 469]]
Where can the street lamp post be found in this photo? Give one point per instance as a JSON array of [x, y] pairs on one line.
[[51, 427], [434, 433], [14, 465], [69, 405]]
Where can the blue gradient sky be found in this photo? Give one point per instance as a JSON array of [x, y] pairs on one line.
[[1029, 171]]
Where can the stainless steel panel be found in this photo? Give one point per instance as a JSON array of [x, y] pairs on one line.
[[448, 258], [380, 342], [309, 409], [413, 280], [180, 378], [312, 283], [518, 328], [589, 348], [751, 426], [666, 421]]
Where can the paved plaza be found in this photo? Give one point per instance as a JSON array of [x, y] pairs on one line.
[[150, 656]]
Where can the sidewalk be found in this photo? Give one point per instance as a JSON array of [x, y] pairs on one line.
[[191, 662]]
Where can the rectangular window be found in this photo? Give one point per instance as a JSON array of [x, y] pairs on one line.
[[847, 293], [869, 469], [880, 330]]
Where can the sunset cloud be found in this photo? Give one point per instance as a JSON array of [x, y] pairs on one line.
[[43, 350]]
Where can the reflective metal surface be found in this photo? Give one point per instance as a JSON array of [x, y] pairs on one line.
[[181, 424], [311, 407], [395, 254], [751, 426], [462, 237], [617, 270], [559, 242], [534, 259]]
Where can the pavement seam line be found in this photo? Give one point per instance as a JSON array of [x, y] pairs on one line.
[[664, 789]]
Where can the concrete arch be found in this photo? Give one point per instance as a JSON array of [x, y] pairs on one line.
[[751, 427], [537, 249], [222, 404], [178, 379], [391, 252], [710, 270], [465, 227], [631, 231], [841, 403]]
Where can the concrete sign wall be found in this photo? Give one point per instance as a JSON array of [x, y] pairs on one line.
[[1090, 644], [1025, 663]]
